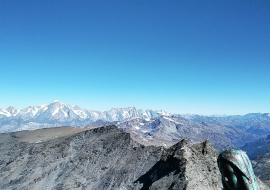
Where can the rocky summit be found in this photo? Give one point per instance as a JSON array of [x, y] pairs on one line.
[[102, 158]]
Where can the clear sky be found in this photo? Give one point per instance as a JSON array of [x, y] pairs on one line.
[[181, 56]]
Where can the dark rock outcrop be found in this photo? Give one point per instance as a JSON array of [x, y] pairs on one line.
[[184, 166]]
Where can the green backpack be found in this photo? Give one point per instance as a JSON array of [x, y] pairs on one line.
[[236, 170]]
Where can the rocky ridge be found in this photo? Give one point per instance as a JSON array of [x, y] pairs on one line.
[[104, 158]]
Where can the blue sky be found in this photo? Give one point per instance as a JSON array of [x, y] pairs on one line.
[[203, 57]]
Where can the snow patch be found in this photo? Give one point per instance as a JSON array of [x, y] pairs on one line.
[[80, 113], [171, 120], [4, 112], [55, 112]]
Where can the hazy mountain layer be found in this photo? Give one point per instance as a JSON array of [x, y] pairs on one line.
[[256, 123]]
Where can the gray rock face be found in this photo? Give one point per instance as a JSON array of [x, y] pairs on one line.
[[103, 158], [184, 166]]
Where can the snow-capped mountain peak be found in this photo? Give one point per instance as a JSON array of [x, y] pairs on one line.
[[56, 101], [8, 112], [57, 113]]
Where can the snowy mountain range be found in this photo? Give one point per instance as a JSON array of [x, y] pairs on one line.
[[151, 127], [60, 114]]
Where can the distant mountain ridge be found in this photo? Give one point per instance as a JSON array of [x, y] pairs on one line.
[[256, 123], [59, 114], [165, 130]]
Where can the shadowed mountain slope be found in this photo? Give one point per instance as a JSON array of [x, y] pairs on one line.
[[184, 166], [261, 165], [257, 148]]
